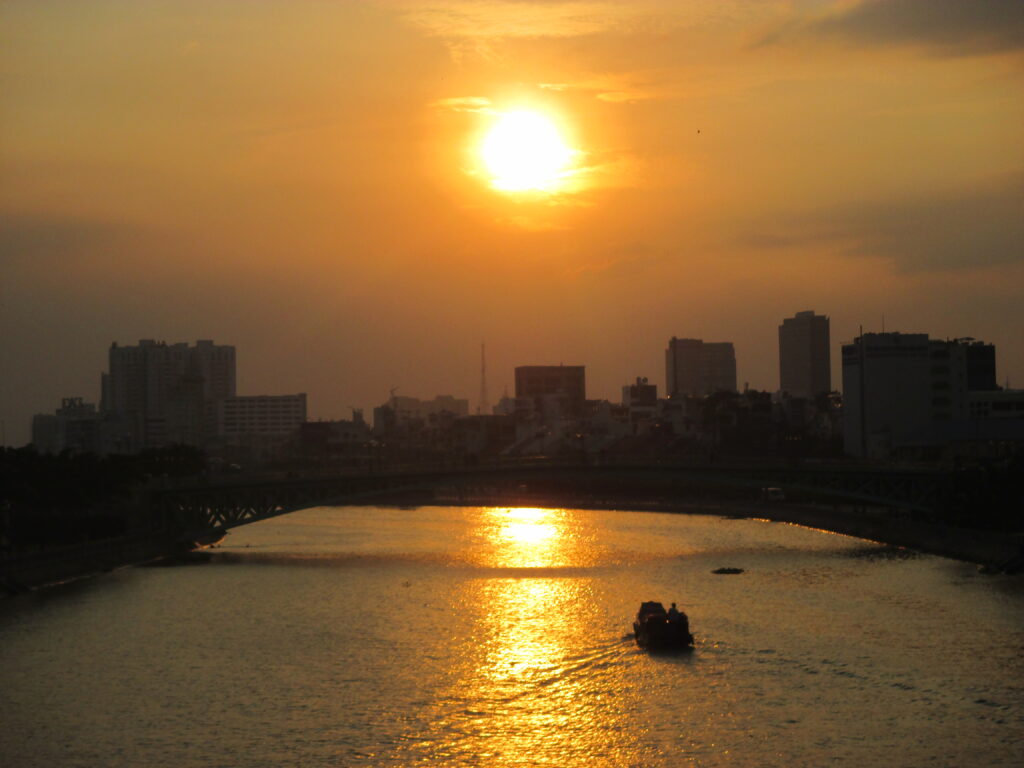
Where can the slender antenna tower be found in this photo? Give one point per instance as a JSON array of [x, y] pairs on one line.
[[483, 406]]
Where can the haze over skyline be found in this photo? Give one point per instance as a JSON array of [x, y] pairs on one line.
[[303, 181]]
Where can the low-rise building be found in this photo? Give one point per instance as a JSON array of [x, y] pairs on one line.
[[641, 403], [258, 428], [75, 427], [342, 440], [263, 415], [405, 413], [558, 391]]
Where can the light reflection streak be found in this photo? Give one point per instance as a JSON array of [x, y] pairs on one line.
[[533, 686], [525, 538]]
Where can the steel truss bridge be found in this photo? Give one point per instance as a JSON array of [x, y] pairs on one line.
[[200, 511]]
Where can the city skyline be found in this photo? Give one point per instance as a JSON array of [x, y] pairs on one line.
[[173, 362], [328, 187]]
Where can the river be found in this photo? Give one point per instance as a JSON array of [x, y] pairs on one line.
[[470, 636]]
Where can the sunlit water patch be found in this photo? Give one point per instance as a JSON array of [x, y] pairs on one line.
[[501, 637]]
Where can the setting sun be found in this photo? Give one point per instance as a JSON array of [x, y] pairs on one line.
[[524, 151]]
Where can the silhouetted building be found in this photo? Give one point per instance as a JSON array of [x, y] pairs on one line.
[[805, 367], [996, 404], [163, 393], [640, 401], [483, 435], [886, 391], [981, 366], [261, 415], [74, 427], [46, 433], [510, 406], [413, 409], [257, 428], [415, 429], [693, 367], [343, 440], [557, 391], [640, 395], [405, 413], [906, 390]]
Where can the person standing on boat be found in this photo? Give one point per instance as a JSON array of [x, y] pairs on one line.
[[673, 613]]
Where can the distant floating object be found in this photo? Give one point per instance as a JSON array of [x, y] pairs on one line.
[[727, 571]]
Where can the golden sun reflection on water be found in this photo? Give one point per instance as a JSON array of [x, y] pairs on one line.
[[525, 538], [536, 680], [531, 538], [536, 686]]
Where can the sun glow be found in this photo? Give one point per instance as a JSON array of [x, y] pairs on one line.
[[524, 151]]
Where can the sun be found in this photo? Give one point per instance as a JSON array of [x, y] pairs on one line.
[[523, 151]]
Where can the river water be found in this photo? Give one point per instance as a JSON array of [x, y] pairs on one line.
[[502, 637]]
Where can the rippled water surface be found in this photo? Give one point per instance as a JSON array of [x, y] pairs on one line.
[[501, 637]]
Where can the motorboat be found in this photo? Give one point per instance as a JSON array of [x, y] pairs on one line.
[[658, 629]]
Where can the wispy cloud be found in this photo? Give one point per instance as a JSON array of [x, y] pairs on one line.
[[465, 104], [960, 229], [945, 27], [509, 18], [615, 90]]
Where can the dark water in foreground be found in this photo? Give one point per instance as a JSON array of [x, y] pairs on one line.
[[497, 637]]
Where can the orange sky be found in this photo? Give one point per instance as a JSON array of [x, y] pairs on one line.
[[298, 179]]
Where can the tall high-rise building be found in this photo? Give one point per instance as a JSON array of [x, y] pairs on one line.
[[805, 364], [695, 367], [164, 393]]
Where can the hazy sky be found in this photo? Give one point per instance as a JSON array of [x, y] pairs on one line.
[[300, 179]]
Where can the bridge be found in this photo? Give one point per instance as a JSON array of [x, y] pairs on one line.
[[200, 511]]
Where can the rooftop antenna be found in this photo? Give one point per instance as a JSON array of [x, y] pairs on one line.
[[483, 406]]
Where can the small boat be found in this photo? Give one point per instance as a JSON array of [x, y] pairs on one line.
[[658, 629]]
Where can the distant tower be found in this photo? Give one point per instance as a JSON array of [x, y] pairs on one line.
[[484, 405]]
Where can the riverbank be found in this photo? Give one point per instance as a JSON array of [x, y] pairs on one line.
[[993, 551], [28, 571]]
